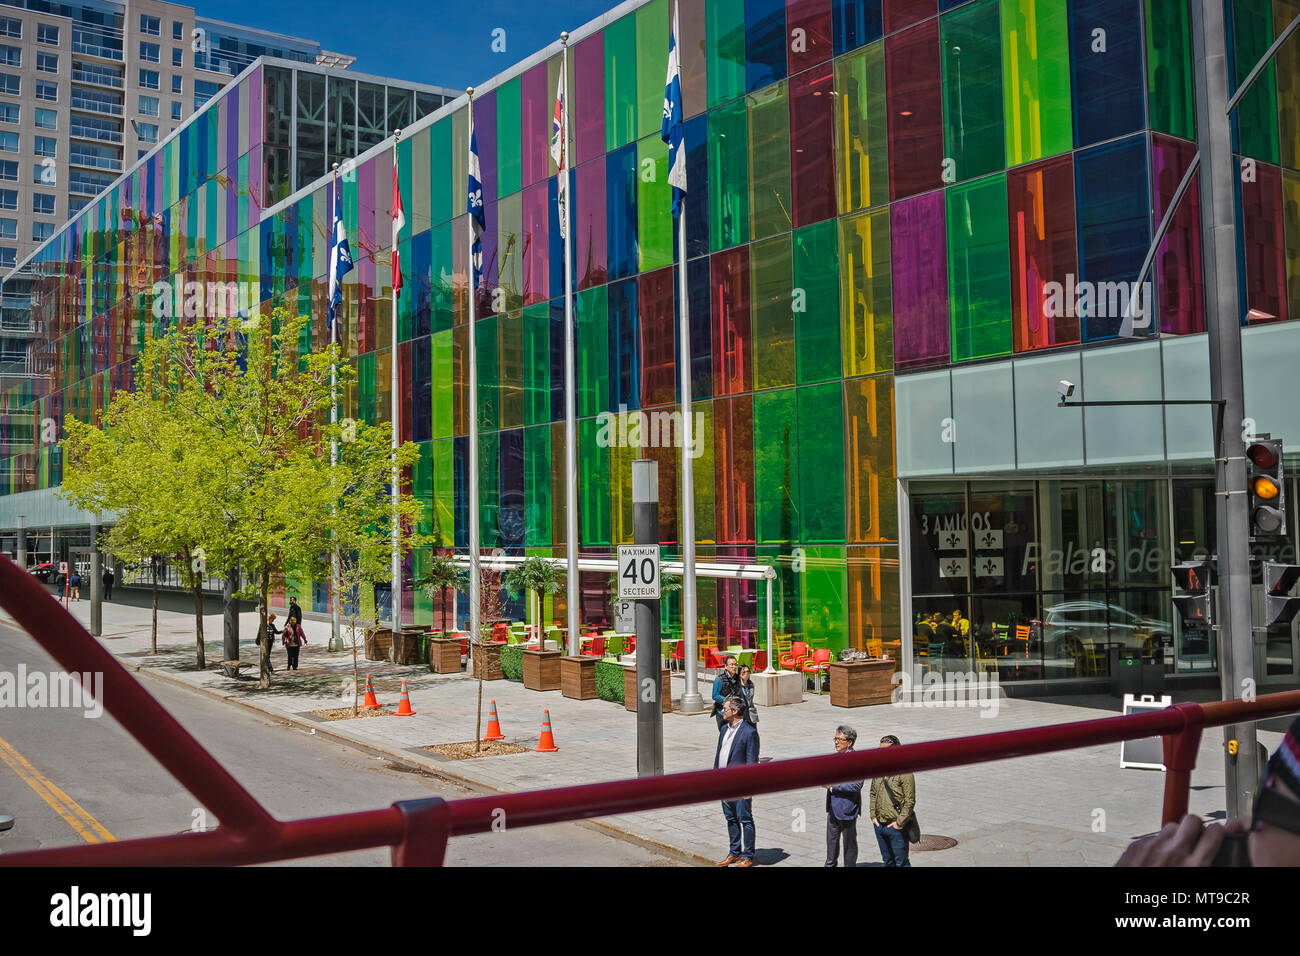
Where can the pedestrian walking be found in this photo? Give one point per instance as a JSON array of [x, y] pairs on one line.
[[294, 638], [843, 807], [271, 633], [295, 612], [737, 744], [725, 685], [109, 578], [74, 583], [893, 802], [745, 684]]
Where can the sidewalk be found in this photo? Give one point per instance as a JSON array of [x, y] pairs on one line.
[[1075, 808]]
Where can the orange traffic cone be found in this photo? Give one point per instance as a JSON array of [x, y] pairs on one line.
[[494, 726], [547, 744], [404, 705], [370, 702]]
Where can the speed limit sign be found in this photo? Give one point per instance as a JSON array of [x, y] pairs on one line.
[[638, 572]]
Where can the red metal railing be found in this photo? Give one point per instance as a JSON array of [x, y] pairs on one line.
[[418, 830]]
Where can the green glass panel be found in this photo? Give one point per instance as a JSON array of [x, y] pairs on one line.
[[1287, 61], [817, 302], [773, 336], [620, 82], [537, 486], [441, 388], [510, 155], [537, 364], [652, 64], [776, 466], [769, 160], [593, 485], [489, 489], [1036, 79], [512, 370], [406, 299], [702, 473], [422, 487], [1171, 96], [729, 175], [823, 595], [866, 293], [442, 191], [591, 363], [821, 463], [510, 253], [725, 44], [1252, 34], [442, 252], [444, 493], [415, 188], [365, 388], [489, 373], [979, 281], [654, 197], [861, 130], [972, 90]]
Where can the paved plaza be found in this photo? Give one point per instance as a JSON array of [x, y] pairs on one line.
[[1063, 809]]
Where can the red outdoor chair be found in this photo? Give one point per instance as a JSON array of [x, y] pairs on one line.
[[793, 660], [760, 661], [678, 656], [818, 664], [597, 647]]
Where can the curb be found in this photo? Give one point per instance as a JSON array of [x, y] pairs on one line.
[[627, 836]]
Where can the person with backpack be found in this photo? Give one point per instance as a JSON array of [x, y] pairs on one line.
[[294, 638], [893, 802], [74, 584]]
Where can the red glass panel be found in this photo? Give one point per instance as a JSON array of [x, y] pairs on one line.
[[1040, 219], [733, 468], [900, 14], [589, 99], [915, 104], [732, 372], [1261, 228], [536, 226], [816, 43], [658, 365], [812, 145], [1180, 291]]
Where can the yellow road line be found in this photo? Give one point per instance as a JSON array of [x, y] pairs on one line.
[[77, 817]]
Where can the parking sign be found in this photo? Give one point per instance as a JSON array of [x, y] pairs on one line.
[[638, 572]]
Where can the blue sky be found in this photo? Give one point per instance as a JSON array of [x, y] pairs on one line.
[[443, 43]]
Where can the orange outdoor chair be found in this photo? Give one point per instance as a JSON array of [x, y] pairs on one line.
[[794, 659]]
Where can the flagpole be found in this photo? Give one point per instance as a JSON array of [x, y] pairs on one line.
[[396, 589], [573, 593], [471, 404], [691, 702], [335, 597]]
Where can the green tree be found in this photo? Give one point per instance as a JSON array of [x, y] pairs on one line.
[[537, 577]]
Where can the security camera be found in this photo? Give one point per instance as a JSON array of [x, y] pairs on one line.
[[1065, 388]]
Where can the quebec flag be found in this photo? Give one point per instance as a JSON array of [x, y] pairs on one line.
[[340, 256], [672, 129], [474, 206]]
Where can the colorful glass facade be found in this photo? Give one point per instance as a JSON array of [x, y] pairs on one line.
[[877, 189]]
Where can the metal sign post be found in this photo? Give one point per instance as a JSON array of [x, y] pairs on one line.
[[638, 578]]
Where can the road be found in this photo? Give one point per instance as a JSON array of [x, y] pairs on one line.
[[97, 781]]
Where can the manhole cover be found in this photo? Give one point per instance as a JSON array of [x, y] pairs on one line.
[[931, 841]]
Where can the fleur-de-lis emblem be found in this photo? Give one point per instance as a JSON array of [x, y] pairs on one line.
[[476, 197], [951, 540], [952, 567]]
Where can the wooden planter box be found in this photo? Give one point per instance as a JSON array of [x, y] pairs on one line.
[[407, 645], [488, 657], [861, 683], [630, 694], [378, 644], [444, 655], [578, 677], [542, 669]]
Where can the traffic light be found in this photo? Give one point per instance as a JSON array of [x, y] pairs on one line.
[[1266, 488], [1279, 607], [1193, 606]]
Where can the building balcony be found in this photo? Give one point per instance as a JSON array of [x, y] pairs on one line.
[[97, 79], [95, 106], [85, 189], [99, 135], [90, 48], [95, 162]]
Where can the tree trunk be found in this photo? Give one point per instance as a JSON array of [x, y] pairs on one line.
[[153, 634], [356, 673], [482, 667], [264, 664], [198, 621], [444, 612]]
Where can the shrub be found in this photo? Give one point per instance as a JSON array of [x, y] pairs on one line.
[[512, 662], [609, 681]]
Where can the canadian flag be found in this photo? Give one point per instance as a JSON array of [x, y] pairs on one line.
[[399, 220]]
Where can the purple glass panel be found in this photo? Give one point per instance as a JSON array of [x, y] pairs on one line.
[[536, 225], [535, 124], [903, 13], [920, 279], [589, 234], [232, 129], [589, 99], [1180, 292], [485, 135], [1261, 234]]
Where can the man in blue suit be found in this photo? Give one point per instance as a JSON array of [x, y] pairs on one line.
[[737, 744], [843, 806]]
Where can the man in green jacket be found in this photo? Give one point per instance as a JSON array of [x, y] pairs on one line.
[[888, 815]]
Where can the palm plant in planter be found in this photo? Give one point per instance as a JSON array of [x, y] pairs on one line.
[[537, 577], [442, 574]]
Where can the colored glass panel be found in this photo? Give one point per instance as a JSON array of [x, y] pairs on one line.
[[512, 488], [816, 302], [811, 34], [776, 466], [1043, 253], [861, 130], [871, 499], [1114, 231], [915, 105], [1286, 63], [652, 23], [733, 469], [1255, 118], [765, 43], [509, 138], [591, 361], [509, 255], [489, 365], [774, 354], [972, 90], [594, 489], [732, 373], [1171, 90], [693, 55], [979, 286], [537, 486], [1179, 287], [536, 363], [812, 145], [653, 202], [489, 489], [697, 178], [725, 39], [1264, 278], [658, 359], [536, 215], [1106, 62], [823, 598], [1036, 79], [620, 211], [728, 175], [588, 118], [820, 463], [856, 23], [866, 295], [1291, 217], [620, 82], [920, 281], [537, 103], [624, 351], [589, 232], [769, 161]]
